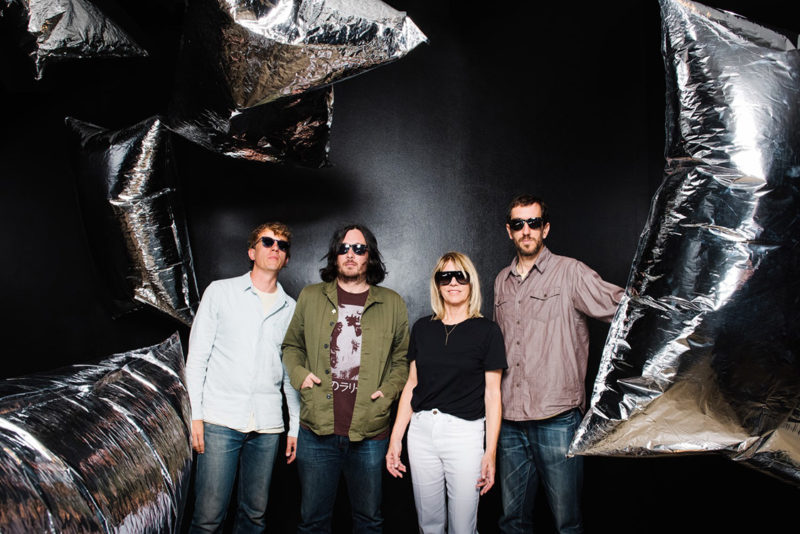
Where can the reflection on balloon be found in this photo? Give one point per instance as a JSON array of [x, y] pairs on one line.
[[133, 217], [253, 78], [703, 352], [97, 448], [72, 29]]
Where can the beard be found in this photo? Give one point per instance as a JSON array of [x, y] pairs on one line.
[[529, 253], [351, 278]]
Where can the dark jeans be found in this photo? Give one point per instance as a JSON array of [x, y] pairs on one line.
[[320, 462], [226, 451], [530, 451]]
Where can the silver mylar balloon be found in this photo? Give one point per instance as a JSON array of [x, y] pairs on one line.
[[103, 447], [254, 74], [133, 217], [704, 351], [73, 29]]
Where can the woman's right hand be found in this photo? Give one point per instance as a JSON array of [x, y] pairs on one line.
[[393, 463]]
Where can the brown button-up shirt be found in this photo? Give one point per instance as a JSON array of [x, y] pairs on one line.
[[543, 319]]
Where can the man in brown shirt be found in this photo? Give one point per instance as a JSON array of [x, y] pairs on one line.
[[541, 302]]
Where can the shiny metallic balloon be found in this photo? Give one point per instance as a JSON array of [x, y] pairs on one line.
[[704, 352], [133, 217], [254, 76], [101, 447], [73, 29]]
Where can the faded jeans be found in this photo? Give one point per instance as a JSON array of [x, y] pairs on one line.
[[533, 451]]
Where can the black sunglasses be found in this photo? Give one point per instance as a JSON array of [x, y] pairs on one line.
[[268, 242], [443, 278], [359, 249], [533, 223]]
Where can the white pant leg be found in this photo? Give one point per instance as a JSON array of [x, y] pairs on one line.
[[427, 474], [445, 452], [460, 447]]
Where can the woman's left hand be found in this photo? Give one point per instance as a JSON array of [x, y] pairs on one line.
[[486, 481]]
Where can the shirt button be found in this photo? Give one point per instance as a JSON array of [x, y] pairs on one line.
[[326, 345], [435, 411], [328, 371], [328, 396], [331, 323]]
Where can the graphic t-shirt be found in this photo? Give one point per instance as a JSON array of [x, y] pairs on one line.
[[346, 358]]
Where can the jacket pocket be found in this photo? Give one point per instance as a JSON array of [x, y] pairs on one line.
[[377, 415]]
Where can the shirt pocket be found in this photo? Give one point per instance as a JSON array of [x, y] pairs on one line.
[[503, 309], [544, 304]]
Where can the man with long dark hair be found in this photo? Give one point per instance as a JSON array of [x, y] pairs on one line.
[[345, 351]]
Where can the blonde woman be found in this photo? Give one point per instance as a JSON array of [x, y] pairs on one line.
[[451, 401]]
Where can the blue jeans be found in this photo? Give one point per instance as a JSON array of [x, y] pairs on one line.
[[530, 451], [320, 462], [227, 450]]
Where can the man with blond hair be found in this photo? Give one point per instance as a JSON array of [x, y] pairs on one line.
[[234, 376]]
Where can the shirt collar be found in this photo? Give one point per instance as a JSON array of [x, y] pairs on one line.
[[541, 262], [245, 283]]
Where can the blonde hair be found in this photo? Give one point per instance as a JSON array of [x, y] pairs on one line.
[[464, 264]]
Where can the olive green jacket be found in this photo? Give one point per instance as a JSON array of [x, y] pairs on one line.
[[384, 367]]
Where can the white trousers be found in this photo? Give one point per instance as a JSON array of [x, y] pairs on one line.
[[445, 454]]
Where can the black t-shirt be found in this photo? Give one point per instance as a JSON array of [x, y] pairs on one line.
[[451, 377]]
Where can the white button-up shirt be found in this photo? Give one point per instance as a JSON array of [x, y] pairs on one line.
[[234, 371]]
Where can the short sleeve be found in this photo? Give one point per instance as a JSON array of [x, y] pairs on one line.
[[495, 349], [412, 342]]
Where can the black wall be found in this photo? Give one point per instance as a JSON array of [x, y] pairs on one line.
[[559, 99]]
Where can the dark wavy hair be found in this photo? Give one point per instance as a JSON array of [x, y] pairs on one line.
[[528, 200], [376, 270]]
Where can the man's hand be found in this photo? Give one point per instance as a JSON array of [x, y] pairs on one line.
[[377, 395], [291, 449], [197, 436], [310, 380]]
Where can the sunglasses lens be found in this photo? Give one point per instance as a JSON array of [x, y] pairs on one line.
[[534, 223], [443, 278], [359, 249], [268, 242]]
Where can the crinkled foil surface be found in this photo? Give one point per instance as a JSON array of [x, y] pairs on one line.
[[97, 448], [254, 75], [74, 29], [704, 351], [133, 217]]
